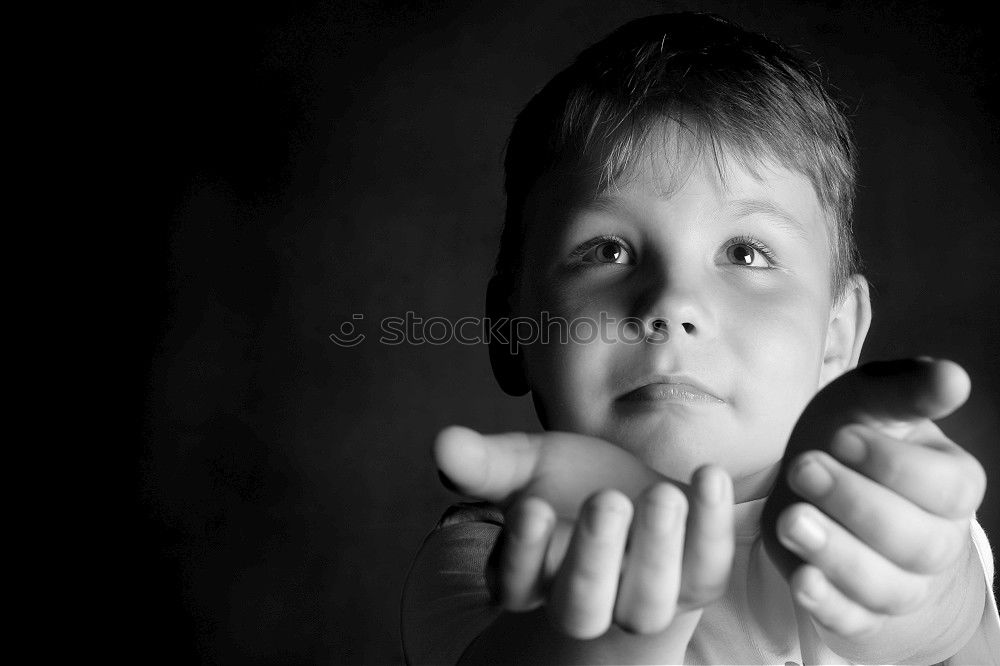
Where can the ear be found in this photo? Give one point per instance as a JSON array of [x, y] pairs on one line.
[[506, 364], [850, 318]]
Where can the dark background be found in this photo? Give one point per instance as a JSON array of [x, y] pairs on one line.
[[310, 161]]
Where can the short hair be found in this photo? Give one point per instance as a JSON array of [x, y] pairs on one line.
[[735, 90]]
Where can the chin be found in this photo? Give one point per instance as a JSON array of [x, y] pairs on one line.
[[677, 451], [670, 454]]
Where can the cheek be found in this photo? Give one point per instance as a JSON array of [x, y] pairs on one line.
[[570, 369], [568, 380], [778, 344], [579, 329]]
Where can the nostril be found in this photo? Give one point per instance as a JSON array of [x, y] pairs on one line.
[[688, 327], [659, 324]]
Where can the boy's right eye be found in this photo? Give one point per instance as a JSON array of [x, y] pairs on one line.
[[604, 250]]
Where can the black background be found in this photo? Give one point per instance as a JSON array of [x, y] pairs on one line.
[[308, 161]]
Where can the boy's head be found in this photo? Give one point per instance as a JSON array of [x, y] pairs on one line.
[[687, 187]]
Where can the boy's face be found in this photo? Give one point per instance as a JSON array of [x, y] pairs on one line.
[[739, 268]]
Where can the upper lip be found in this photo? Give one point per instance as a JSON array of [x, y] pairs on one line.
[[676, 379]]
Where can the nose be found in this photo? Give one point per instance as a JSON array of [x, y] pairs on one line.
[[662, 326], [673, 306]]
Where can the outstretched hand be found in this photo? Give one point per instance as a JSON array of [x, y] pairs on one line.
[[869, 519], [594, 534]]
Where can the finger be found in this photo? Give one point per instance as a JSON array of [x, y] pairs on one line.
[[858, 572], [940, 476], [877, 394], [583, 594], [647, 595], [906, 389], [892, 525], [709, 542], [558, 545], [830, 608], [561, 468], [520, 567]]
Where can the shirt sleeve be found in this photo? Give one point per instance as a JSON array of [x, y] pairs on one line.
[[984, 646], [446, 602]]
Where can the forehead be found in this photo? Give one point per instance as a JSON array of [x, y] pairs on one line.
[[677, 166]]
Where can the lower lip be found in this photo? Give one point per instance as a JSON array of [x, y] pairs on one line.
[[674, 393]]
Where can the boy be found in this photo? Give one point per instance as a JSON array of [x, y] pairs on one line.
[[686, 187]]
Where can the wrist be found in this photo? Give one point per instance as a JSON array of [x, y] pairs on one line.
[[931, 634]]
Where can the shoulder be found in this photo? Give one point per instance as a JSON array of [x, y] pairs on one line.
[[446, 602]]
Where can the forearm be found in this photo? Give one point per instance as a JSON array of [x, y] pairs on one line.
[[530, 638]]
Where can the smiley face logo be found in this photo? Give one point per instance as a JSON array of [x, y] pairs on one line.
[[348, 336]]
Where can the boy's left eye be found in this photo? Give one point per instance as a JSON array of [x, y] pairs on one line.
[[744, 253]]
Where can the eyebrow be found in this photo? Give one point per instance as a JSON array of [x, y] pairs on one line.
[[781, 217], [602, 202], [736, 209]]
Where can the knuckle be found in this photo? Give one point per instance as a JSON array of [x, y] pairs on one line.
[[584, 578], [917, 592], [974, 486], [959, 494], [892, 470], [901, 599], [936, 555], [863, 626], [858, 513], [851, 621]]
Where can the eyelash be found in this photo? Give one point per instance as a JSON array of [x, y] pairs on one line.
[[758, 245], [750, 241], [600, 240]]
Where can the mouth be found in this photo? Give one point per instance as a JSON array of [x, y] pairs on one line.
[[671, 389]]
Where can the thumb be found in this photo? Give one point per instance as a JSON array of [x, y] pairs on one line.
[[489, 468], [892, 391], [559, 467]]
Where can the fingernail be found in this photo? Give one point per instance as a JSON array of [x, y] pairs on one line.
[[713, 488], [806, 531], [448, 483], [533, 521], [850, 448], [607, 517], [809, 477], [662, 509]]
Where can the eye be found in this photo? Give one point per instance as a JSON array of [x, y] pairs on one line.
[[750, 253], [605, 250]]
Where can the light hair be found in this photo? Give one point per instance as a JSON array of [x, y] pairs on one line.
[[738, 93]]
